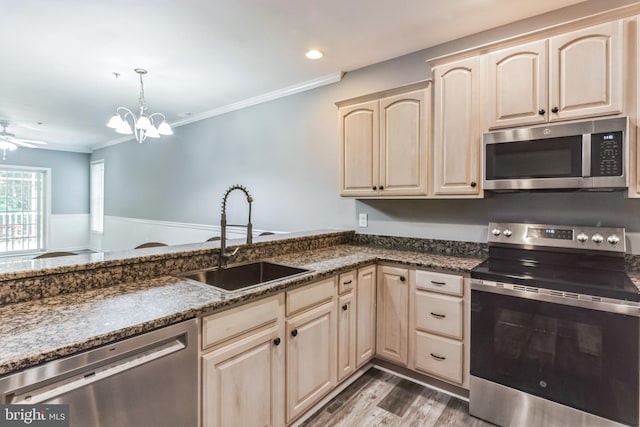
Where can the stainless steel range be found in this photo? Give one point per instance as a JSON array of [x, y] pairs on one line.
[[555, 328]]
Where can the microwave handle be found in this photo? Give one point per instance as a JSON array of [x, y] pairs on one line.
[[586, 154]]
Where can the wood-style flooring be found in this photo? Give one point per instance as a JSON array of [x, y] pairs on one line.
[[378, 398]]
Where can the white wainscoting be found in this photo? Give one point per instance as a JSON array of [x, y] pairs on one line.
[[68, 232], [121, 233]]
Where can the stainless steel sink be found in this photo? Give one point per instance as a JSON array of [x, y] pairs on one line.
[[243, 276]]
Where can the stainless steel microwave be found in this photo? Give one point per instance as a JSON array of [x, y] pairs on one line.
[[584, 155]]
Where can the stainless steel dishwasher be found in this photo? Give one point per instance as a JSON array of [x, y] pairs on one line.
[[148, 380]]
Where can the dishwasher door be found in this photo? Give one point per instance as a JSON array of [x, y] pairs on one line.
[[148, 380]]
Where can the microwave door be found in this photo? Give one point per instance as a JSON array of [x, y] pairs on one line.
[[536, 163]]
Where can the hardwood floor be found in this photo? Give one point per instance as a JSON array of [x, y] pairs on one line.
[[382, 399]]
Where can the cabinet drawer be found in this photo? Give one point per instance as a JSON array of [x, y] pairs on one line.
[[441, 357], [222, 326], [346, 282], [310, 295], [439, 314], [439, 282]]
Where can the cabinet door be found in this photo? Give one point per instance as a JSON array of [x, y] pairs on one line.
[[586, 72], [456, 128], [517, 85], [311, 358], [243, 382], [346, 335], [403, 143], [393, 314], [366, 315], [360, 161]]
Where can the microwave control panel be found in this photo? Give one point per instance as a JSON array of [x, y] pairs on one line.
[[606, 154]]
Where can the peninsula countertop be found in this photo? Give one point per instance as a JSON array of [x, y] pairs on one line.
[[37, 331]]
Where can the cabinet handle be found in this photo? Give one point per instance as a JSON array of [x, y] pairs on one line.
[[438, 316], [541, 111], [402, 278], [433, 282], [276, 341], [345, 307], [473, 184], [348, 282], [374, 187], [554, 110], [382, 187], [438, 358], [294, 333]]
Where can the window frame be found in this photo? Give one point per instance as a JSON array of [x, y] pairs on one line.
[[46, 208], [94, 230]]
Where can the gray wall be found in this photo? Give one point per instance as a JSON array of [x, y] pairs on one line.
[[287, 153], [69, 176]]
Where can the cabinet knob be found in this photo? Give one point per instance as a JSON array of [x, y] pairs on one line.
[[276, 341], [345, 307], [473, 184], [374, 188], [294, 333], [542, 111], [402, 278], [382, 187], [554, 110]]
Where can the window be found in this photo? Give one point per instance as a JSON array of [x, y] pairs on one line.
[[22, 209], [97, 196]]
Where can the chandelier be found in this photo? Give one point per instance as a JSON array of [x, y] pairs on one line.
[[124, 121]]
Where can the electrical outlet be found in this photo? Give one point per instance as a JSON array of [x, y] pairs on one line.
[[362, 220]]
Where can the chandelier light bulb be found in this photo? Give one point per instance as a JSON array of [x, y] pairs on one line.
[[124, 121]]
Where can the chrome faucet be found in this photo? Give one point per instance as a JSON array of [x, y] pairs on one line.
[[224, 255]]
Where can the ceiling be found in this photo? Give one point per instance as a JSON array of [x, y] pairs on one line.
[[58, 57]]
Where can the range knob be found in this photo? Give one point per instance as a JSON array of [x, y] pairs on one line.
[[496, 232], [613, 239], [597, 238], [507, 233], [582, 237]]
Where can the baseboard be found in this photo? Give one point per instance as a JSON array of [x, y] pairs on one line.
[[424, 380]]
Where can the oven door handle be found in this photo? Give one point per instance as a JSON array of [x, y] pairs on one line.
[[609, 305]]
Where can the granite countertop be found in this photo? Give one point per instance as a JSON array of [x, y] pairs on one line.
[[37, 331]]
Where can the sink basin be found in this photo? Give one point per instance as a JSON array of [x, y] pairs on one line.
[[243, 276]]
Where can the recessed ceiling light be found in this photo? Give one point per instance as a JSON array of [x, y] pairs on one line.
[[314, 54]]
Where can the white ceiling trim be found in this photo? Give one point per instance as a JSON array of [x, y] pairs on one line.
[[269, 96], [64, 147]]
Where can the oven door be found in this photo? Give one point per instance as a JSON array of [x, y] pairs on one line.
[[579, 357]]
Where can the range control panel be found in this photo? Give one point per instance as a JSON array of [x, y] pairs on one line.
[[559, 236]]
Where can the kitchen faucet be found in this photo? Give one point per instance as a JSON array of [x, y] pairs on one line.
[[224, 255]]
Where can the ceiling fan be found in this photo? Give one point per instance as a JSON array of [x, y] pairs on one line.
[[8, 141]]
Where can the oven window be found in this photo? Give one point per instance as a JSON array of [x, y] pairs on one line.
[[582, 358], [544, 158]]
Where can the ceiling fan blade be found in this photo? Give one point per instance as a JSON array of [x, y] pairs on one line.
[[21, 143], [29, 141]]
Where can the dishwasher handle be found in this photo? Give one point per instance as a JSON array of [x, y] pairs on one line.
[[55, 389]]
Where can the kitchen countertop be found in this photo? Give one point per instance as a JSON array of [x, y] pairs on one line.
[[37, 331]]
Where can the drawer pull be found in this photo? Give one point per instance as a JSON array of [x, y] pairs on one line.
[[438, 358], [348, 282], [438, 316], [438, 283]]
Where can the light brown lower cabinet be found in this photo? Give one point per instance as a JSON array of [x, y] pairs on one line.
[[392, 332], [243, 375], [268, 362], [311, 347]]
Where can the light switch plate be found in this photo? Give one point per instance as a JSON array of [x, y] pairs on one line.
[[362, 220]]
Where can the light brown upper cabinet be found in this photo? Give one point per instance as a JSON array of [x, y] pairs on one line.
[[384, 143], [457, 136], [569, 76]]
